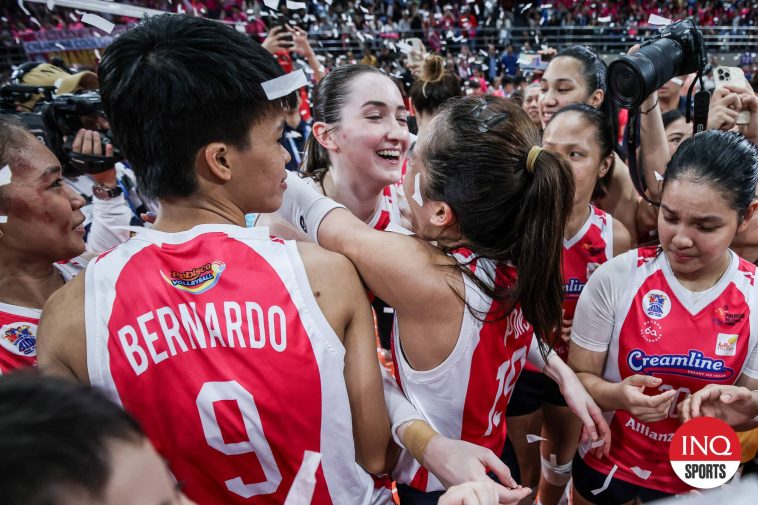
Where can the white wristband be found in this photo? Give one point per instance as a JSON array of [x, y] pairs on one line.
[[304, 207]]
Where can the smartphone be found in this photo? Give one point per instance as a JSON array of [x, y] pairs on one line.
[[734, 76], [287, 38]]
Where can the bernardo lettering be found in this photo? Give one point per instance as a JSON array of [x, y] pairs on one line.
[[168, 331]]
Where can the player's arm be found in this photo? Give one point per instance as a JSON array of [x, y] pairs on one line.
[[415, 288], [61, 341], [342, 299], [735, 405]]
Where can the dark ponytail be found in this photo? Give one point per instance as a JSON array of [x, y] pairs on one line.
[[329, 97], [476, 158]]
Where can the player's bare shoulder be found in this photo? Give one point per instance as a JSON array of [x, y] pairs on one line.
[[61, 344], [334, 282]]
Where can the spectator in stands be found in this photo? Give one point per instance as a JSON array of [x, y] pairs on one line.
[[509, 61], [530, 104], [677, 129]]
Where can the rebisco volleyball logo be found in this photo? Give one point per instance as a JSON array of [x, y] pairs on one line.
[[705, 452], [196, 280]]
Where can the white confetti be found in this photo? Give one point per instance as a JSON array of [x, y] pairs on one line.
[[98, 22], [658, 177], [483, 53], [533, 438], [284, 85], [642, 474], [62, 48], [526, 8], [293, 135], [416, 193], [655, 19], [97, 54], [294, 6], [23, 8], [271, 4], [3, 219], [607, 481], [597, 443], [50, 4], [5, 175], [35, 21], [604, 19], [301, 492]]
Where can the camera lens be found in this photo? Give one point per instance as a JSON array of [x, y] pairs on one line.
[[624, 82], [726, 75]]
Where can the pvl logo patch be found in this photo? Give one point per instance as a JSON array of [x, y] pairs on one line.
[[656, 304]]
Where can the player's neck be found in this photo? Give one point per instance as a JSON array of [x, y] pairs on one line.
[[706, 277], [27, 283], [360, 199], [579, 215], [176, 215]]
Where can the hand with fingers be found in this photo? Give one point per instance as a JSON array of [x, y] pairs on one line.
[[471, 493], [88, 142], [279, 38], [724, 108], [456, 462], [595, 428], [749, 104], [732, 404], [300, 42], [644, 407]]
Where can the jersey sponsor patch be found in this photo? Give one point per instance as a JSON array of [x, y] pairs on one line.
[[573, 287], [693, 364], [19, 338], [656, 304], [651, 331], [196, 280], [726, 344]]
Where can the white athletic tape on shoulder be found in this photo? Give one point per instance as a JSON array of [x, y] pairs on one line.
[[639, 472], [98, 22], [416, 193], [284, 85], [530, 439], [5, 175], [607, 481], [301, 492]]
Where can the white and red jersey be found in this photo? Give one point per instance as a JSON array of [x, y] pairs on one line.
[[18, 325], [589, 248], [213, 340], [466, 396], [388, 211], [636, 310]]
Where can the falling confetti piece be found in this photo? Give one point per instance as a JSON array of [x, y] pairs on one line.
[[532, 438], [98, 22]]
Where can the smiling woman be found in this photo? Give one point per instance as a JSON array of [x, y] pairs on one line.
[[40, 232]]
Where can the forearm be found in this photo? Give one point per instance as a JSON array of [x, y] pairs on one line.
[[653, 145], [318, 69], [606, 394]]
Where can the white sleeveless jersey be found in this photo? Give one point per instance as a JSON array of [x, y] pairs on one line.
[[213, 340], [466, 396], [18, 325]]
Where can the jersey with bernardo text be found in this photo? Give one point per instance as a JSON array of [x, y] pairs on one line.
[[213, 340]]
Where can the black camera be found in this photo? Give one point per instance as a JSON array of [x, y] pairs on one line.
[[60, 117], [678, 50]]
